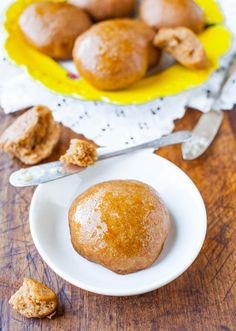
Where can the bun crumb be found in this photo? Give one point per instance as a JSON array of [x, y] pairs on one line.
[[34, 299], [80, 153]]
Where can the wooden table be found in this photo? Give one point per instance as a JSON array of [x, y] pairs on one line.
[[203, 298]]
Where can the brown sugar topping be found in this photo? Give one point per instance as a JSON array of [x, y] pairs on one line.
[[120, 224]]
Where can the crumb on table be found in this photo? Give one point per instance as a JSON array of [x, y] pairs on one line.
[[34, 299]]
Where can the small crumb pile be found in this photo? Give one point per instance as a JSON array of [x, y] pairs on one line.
[[80, 153], [34, 299]]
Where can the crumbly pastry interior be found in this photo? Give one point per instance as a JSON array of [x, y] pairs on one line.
[[183, 45], [80, 153], [34, 299], [120, 224], [32, 137]]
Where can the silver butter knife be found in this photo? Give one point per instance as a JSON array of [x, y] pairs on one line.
[[206, 128], [54, 170], [202, 135]]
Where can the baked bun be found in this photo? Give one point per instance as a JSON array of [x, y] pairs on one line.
[[114, 54], [120, 224], [106, 9], [32, 137], [53, 27], [183, 45], [172, 13], [148, 33]]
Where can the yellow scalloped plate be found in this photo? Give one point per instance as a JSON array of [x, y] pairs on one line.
[[216, 40]]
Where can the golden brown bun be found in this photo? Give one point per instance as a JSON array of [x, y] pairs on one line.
[[172, 13], [113, 54], [32, 137], [106, 9], [120, 224], [183, 45], [148, 33], [53, 27], [34, 299]]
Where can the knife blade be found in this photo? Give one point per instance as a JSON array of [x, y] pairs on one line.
[[202, 135], [207, 127], [48, 172]]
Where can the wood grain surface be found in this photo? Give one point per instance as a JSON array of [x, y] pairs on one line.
[[203, 298]]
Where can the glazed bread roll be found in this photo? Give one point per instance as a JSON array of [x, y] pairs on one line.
[[114, 54], [120, 224], [52, 28], [106, 9], [172, 13]]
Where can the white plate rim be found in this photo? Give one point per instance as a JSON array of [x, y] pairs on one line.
[[126, 292]]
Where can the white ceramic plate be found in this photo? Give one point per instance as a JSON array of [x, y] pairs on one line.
[[50, 231]]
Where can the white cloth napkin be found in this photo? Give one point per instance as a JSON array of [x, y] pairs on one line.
[[109, 124]]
